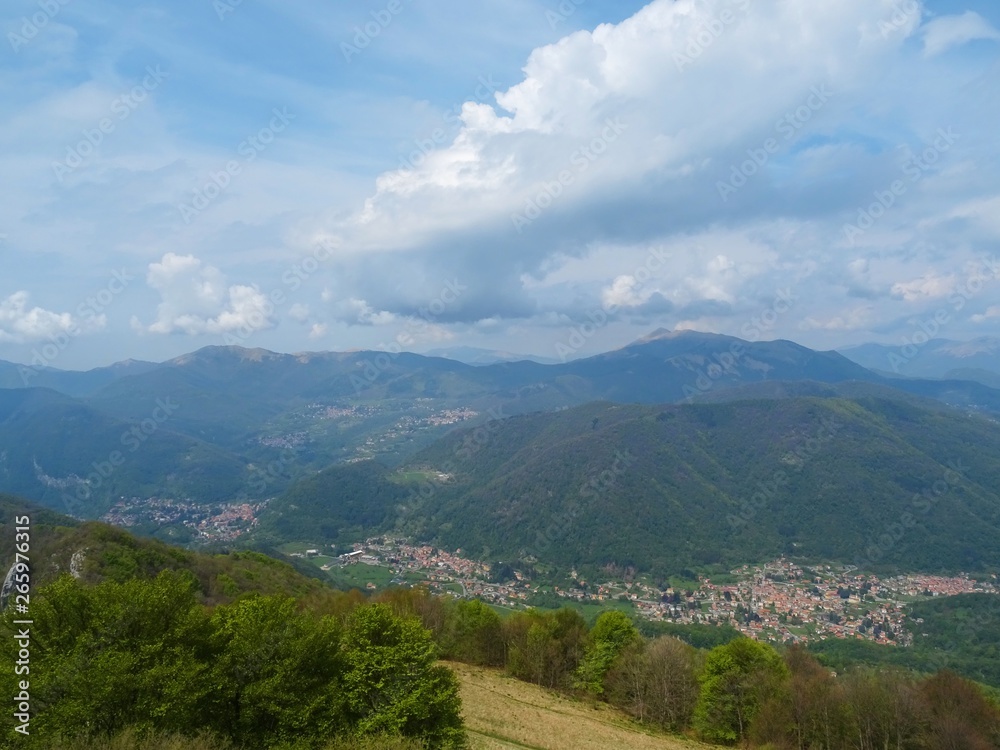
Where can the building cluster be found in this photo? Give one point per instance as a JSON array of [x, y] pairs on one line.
[[220, 522], [442, 570], [407, 427], [787, 602], [778, 601], [289, 440]]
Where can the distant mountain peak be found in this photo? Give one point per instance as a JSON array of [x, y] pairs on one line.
[[665, 334], [226, 352], [964, 349]]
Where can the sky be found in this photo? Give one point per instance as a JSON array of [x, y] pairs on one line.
[[534, 176]]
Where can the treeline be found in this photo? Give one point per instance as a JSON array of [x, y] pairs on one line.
[[147, 664], [144, 659], [741, 692]]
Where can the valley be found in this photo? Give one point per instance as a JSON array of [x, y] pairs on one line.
[[779, 601], [703, 487]]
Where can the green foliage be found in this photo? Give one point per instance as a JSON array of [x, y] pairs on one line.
[[736, 681], [276, 671], [692, 486], [612, 633], [144, 657], [342, 503], [656, 682], [544, 648], [959, 633], [101, 553], [118, 655], [472, 634], [697, 635], [391, 683]]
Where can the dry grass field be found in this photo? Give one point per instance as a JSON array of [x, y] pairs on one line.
[[502, 713]]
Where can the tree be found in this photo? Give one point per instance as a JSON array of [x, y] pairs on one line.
[[817, 704], [118, 655], [417, 602], [736, 681], [883, 709], [611, 634], [656, 682], [544, 647], [392, 684], [472, 634], [277, 673], [957, 714]]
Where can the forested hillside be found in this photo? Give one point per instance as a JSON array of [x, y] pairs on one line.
[[874, 481]]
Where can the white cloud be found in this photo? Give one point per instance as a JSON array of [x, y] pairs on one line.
[[676, 115], [195, 299], [317, 331], [623, 292], [928, 286], [941, 34], [360, 312], [992, 313], [849, 320], [299, 312], [20, 323]]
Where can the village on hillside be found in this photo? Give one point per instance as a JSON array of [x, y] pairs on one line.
[[779, 600]]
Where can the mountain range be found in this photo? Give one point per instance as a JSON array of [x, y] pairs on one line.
[[978, 359], [867, 478], [704, 418]]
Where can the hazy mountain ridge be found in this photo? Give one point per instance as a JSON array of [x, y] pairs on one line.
[[70, 456], [236, 410], [937, 358]]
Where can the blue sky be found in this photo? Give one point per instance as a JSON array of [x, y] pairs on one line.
[[519, 175]]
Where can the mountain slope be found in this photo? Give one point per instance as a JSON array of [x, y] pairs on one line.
[[231, 392], [938, 358], [667, 488], [71, 383], [66, 455], [501, 712], [344, 502], [97, 552]]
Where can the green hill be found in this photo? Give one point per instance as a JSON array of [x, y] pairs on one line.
[[95, 552], [70, 456], [342, 503], [875, 481]]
